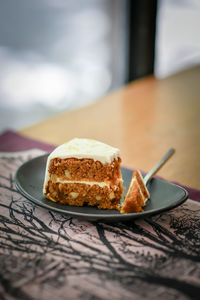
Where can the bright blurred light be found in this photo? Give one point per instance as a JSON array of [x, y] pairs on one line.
[[84, 22], [43, 83], [178, 41], [95, 80], [61, 59]]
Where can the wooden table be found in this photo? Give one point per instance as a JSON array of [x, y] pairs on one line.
[[144, 119]]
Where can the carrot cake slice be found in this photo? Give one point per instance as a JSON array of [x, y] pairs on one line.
[[136, 196], [84, 171]]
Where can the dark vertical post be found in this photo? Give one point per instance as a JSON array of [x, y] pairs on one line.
[[142, 31]]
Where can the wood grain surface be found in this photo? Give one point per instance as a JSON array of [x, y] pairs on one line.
[[144, 119]]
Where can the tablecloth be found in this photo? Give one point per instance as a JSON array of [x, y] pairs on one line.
[[46, 255]]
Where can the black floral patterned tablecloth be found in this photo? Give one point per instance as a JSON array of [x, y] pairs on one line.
[[45, 255]]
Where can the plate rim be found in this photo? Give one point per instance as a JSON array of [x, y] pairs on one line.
[[97, 216]]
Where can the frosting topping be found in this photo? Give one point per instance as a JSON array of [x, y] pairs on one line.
[[86, 148]]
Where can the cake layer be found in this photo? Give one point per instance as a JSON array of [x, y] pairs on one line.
[[84, 169], [78, 194]]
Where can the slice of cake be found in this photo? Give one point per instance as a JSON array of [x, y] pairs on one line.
[[136, 195], [84, 171]]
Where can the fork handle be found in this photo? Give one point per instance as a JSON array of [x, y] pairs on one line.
[[158, 166]]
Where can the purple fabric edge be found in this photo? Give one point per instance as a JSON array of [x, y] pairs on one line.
[[11, 142]]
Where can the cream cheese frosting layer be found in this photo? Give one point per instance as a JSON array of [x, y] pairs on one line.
[[100, 184], [86, 148]]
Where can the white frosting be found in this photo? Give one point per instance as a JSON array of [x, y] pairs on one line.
[[86, 148], [101, 184]]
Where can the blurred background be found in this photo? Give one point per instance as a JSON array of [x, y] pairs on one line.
[[60, 55]]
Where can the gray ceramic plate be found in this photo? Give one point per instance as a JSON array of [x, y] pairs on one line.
[[29, 181]]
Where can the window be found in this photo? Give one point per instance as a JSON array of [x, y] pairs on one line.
[[58, 55]]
